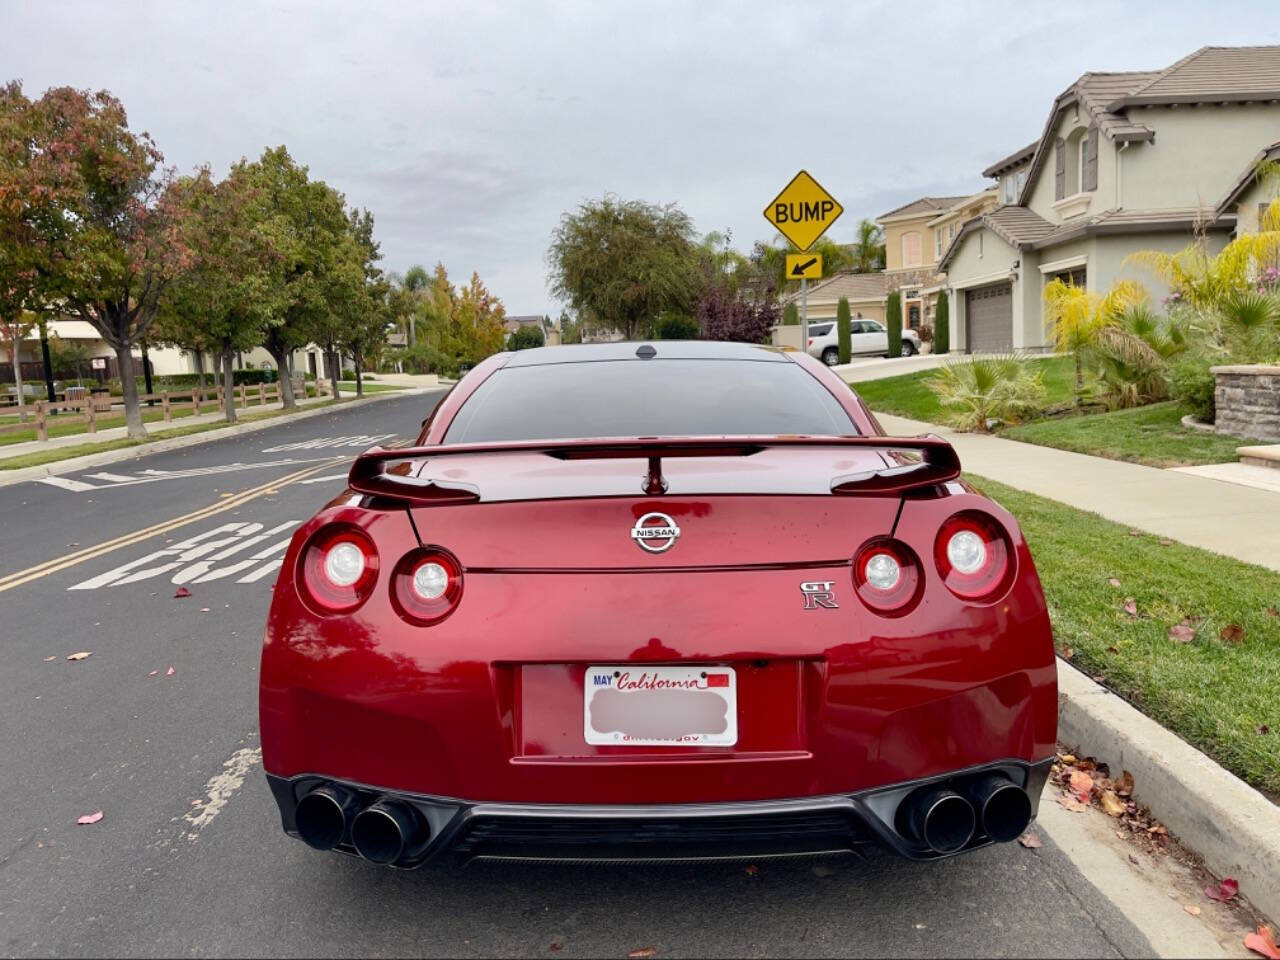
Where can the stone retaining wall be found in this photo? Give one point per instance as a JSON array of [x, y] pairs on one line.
[[1247, 401]]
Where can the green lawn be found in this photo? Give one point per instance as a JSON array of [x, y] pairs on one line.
[[42, 457], [1218, 695], [907, 396], [1153, 435], [349, 386]]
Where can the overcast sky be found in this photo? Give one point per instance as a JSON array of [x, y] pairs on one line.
[[468, 128]]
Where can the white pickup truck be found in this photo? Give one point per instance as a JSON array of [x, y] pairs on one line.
[[867, 338]]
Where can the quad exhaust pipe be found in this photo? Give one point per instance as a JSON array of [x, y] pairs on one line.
[[382, 832], [945, 821]]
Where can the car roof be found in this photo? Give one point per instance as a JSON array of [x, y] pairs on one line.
[[639, 350]]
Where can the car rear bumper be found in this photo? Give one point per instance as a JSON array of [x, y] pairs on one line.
[[458, 831]]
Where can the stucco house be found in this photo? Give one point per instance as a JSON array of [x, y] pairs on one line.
[[1125, 162], [915, 237], [865, 292]]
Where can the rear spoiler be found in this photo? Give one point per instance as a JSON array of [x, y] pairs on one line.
[[376, 471]]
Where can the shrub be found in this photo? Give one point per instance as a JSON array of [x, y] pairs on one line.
[[1192, 385], [942, 325], [348, 374], [675, 326], [844, 333], [893, 322], [527, 338], [983, 392]]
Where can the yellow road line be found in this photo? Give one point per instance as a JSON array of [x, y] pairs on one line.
[[58, 564]]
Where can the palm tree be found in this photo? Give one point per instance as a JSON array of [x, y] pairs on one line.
[[868, 249], [1076, 317], [986, 389]]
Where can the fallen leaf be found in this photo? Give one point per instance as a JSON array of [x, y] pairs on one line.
[[81, 655], [181, 592], [1072, 804], [1112, 650], [556, 947], [1124, 786], [1099, 678], [1030, 840], [642, 953], [1112, 805], [1182, 632], [1263, 729], [90, 818], [1114, 582], [1068, 759], [169, 672], [1273, 612], [1234, 633], [48, 659], [1081, 785], [1067, 653], [153, 673], [204, 609], [1191, 909], [1130, 607], [1264, 943], [1224, 891]]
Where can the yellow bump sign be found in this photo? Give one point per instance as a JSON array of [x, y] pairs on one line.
[[804, 266], [803, 211]]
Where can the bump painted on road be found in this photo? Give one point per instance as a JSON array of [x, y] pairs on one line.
[[222, 786]]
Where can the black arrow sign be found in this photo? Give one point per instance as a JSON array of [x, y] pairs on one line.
[[799, 269]]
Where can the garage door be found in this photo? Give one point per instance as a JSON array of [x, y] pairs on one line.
[[988, 315]]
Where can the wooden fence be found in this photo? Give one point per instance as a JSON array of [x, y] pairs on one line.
[[89, 410]]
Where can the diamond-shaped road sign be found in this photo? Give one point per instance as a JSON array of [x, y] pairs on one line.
[[803, 211], [804, 266]]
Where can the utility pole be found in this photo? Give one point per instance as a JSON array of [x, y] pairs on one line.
[[804, 315]]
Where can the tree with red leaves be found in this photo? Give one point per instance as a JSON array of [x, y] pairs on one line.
[[727, 314], [102, 225], [17, 272]]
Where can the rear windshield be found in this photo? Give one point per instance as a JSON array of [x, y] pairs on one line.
[[647, 398]]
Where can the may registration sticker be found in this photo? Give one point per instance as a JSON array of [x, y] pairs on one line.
[[694, 706]]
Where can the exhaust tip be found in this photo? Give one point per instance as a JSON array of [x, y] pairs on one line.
[[381, 833], [941, 819], [1003, 807], [321, 817]]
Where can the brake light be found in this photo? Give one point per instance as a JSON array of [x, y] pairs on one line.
[[972, 553], [426, 585], [811, 341], [339, 568], [886, 576]]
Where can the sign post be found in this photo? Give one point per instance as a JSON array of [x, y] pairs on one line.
[[802, 213]]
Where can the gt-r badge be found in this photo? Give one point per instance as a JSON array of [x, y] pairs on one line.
[[819, 593], [655, 532]]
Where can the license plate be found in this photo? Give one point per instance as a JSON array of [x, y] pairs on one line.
[[634, 706]]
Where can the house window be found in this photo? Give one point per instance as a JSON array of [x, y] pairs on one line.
[[1009, 186], [911, 249], [1083, 177], [979, 244], [1022, 180], [951, 232], [937, 243], [1075, 277]]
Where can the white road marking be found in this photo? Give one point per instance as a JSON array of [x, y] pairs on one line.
[[328, 479], [113, 480], [319, 443], [196, 559], [222, 787], [75, 486]]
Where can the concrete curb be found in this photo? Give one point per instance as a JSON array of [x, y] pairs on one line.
[[1231, 825], [72, 464]]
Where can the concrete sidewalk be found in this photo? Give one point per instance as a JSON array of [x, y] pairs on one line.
[[1227, 518]]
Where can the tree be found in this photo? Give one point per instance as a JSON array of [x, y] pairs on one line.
[[868, 248], [526, 338], [367, 333], [942, 324], [676, 326], [1075, 317], [893, 322], [725, 314], [844, 330], [12, 332], [570, 329], [620, 263], [102, 223], [17, 270], [769, 262], [791, 315]]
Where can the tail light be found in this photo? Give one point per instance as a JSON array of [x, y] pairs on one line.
[[339, 568], [426, 586], [886, 576], [973, 556]]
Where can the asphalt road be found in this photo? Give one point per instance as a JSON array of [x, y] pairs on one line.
[[189, 858]]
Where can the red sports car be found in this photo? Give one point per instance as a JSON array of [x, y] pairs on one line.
[[670, 601]]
